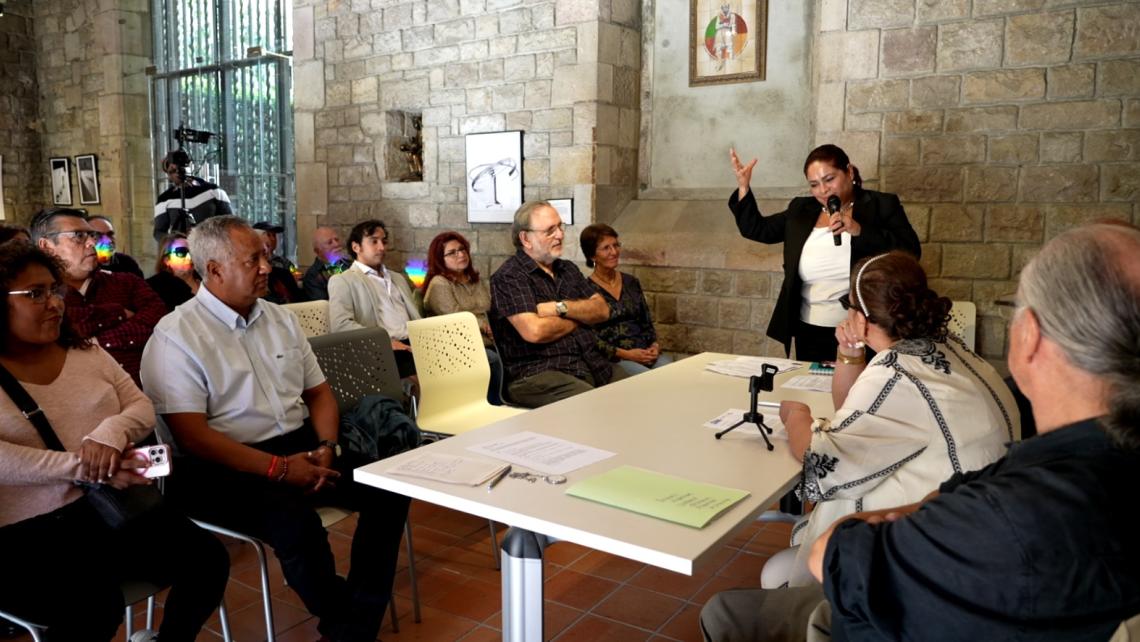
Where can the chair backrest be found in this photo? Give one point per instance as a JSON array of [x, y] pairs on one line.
[[358, 363], [1128, 631], [964, 321], [314, 316], [451, 362]]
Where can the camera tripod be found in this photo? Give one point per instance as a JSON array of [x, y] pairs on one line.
[[756, 383]]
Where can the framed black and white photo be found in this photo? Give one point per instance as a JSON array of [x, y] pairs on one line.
[[60, 181], [88, 178], [494, 176], [565, 208]]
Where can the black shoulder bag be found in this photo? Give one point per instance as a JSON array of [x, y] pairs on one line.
[[116, 507]]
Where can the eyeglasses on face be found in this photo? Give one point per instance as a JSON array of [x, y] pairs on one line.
[[79, 237], [845, 303], [180, 252], [550, 231], [39, 295], [616, 245], [455, 252]]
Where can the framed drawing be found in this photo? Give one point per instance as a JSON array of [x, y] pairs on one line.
[[728, 41], [88, 176], [565, 207], [494, 176], [60, 181]]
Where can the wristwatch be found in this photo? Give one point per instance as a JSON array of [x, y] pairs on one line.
[[331, 445], [560, 308]]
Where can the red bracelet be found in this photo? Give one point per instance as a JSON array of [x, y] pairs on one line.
[[272, 466]]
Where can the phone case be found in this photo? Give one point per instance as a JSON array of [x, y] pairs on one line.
[[157, 458]]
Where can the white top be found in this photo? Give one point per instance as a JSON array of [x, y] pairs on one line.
[[918, 413], [826, 274], [653, 421], [245, 375], [393, 308]]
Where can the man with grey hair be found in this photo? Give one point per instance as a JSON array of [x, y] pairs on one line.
[[1038, 545], [236, 382], [541, 311]]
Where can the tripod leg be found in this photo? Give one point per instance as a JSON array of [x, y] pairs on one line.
[[730, 429]]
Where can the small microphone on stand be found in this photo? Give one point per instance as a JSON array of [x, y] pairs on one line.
[[833, 205]]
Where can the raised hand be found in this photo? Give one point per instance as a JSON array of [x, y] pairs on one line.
[[743, 172]]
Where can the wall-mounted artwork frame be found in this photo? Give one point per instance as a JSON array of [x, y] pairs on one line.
[[565, 207], [494, 176], [60, 169], [87, 177], [728, 41]]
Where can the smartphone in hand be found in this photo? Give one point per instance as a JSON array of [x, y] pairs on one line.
[[156, 460]]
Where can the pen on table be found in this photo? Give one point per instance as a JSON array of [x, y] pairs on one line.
[[498, 478]]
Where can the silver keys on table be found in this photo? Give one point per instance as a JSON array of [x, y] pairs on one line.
[[533, 477]]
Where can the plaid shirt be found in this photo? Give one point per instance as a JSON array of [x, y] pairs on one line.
[[518, 286], [101, 314]]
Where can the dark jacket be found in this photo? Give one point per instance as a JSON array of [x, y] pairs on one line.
[[884, 228]]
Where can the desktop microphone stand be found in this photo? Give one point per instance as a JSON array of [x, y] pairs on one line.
[[752, 416]]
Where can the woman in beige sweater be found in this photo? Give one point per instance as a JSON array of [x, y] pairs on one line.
[[62, 565], [453, 285]]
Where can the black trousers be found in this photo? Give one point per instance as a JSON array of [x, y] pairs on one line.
[[64, 570], [815, 343], [284, 517]]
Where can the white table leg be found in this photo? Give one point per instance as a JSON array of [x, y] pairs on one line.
[[522, 584]]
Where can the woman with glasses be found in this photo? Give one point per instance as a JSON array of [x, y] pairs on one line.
[[823, 235], [628, 336], [453, 285], [921, 410], [63, 565], [174, 278]]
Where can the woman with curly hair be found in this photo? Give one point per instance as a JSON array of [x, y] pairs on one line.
[[922, 409]]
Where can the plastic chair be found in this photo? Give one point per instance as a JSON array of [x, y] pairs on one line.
[[314, 316], [355, 364], [964, 321], [452, 367], [1128, 631]]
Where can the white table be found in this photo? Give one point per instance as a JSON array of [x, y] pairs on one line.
[[653, 421]]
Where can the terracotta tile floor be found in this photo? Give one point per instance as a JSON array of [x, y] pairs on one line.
[[589, 595]]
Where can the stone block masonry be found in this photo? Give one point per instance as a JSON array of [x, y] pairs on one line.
[[1007, 121]]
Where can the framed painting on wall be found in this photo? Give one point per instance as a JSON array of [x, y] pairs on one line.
[[60, 181], [565, 208], [494, 176], [88, 176], [728, 41]]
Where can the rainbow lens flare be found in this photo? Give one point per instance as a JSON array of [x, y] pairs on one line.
[[178, 259], [416, 271], [104, 249]]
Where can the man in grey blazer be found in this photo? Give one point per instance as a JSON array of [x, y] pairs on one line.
[[369, 295]]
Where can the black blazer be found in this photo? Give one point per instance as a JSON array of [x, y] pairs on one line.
[[884, 228]]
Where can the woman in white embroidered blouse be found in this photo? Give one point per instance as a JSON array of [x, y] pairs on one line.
[[923, 408]]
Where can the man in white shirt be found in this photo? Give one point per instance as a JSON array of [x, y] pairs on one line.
[[369, 295], [232, 376]]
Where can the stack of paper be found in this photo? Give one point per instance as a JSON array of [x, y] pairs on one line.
[[749, 366], [546, 454], [818, 383], [452, 469], [665, 497]]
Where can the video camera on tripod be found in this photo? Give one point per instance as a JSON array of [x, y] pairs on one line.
[[186, 135]]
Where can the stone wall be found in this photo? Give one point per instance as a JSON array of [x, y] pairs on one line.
[[91, 59], [24, 169], [565, 72], [999, 123]]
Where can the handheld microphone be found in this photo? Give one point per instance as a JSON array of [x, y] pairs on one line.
[[833, 207]]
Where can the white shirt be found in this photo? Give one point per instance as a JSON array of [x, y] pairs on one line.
[[826, 274], [393, 309], [247, 376]]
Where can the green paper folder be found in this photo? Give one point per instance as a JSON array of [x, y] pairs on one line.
[[665, 497]]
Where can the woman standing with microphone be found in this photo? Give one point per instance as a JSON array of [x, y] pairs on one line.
[[823, 236]]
